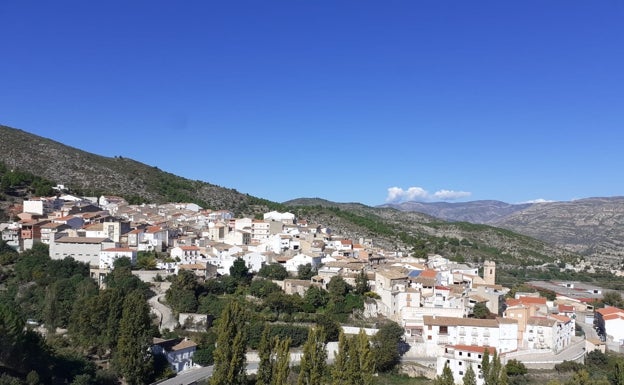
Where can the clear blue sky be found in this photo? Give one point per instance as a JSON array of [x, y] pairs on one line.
[[358, 100]]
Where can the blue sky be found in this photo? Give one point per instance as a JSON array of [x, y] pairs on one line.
[[364, 101]]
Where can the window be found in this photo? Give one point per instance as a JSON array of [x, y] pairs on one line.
[[461, 373], [461, 363], [461, 353]]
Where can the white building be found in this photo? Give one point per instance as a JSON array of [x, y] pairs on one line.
[[292, 265], [460, 357], [109, 256], [82, 249], [499, 333], [179, 352], [287, 218]]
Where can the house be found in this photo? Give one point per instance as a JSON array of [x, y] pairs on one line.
[[82, 249], [178, 351], [186, 253], [499, 333], [460, 357], [610, 323], [110, 255], [52, 230], [292, 265]]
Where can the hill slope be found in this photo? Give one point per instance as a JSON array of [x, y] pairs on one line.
[[92, 174]]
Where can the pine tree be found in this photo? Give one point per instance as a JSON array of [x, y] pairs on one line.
[[133, 358], [470, 377], [281, 366], [229, 355], [314, 359]]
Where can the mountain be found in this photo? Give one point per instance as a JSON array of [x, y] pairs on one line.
[[484, 211], [89, 174], [592, 227]]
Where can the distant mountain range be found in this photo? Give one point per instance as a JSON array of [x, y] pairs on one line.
[[473, 230], [593, 227]]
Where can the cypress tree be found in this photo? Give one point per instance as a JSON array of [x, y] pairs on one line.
[[314, 359], [133, 358], [265, 354], [470, 378], [281, 365], [229, 355], [341, 371], [365, 358]]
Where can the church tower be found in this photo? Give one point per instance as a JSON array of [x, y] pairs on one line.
[[489, 272]]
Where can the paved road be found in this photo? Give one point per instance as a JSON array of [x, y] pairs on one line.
[[167, 320], [196, 374]]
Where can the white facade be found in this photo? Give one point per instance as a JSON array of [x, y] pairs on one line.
[[179, 353], [500, 333], [459, 358], [109, 256], [292, 265]]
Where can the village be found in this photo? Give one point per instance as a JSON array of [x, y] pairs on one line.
[[451, 312]]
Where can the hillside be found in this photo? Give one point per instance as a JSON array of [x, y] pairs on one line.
[[484, 211], [592, 227], [90, 174]]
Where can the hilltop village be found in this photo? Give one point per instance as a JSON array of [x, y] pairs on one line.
[[451, 313]]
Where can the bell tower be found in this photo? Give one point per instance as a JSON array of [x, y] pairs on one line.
[[489, 272]]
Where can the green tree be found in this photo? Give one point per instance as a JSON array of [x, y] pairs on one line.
[[366, 362], [240, 272], [132, 357], [470, 378], [337, 288], [485, 363], [613, 298], [281, 367], [316, 298], [229, 355], [314, 359], [361, 283], [516, 368], [446, 378], [481, 311], [386, 346], [275, 271], [341, 375], [265, 354], [618, 372], [305, 272], [261, 288]]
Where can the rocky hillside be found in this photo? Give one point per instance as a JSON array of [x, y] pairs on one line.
[[484, 211], [592, 227], [91, 174]]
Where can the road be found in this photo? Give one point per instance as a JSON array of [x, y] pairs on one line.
[[166, 318], [189, 376]]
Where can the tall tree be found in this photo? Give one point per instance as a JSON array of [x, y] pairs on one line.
[[470, 378], [366, 363], [446, 378], [314, 359], [485, 363], [618, 372], [340, 371], [229, 355], [133, 358], [386, 346], [265, 354], [281, 366], [361, 283]]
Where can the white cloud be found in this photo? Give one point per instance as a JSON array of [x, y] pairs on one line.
[[397, 194], [539, 200]]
